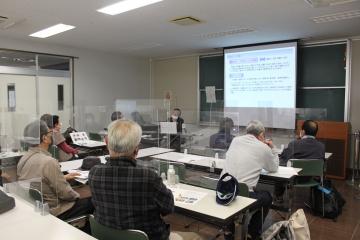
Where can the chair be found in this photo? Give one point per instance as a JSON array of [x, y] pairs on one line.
[[310, 168], [102, 232], [244, 192], [54, 150]]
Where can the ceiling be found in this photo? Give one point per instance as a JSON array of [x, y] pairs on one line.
[[148, 32]]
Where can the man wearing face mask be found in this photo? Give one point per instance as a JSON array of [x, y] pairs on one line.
[[63, 201], [175, 140]]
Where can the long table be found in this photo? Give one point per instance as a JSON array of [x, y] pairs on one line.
[[22, 222], [146, 152], [207, 162], [284, 175], [208, 210]]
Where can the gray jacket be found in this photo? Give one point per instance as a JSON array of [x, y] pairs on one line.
[[56, 191]]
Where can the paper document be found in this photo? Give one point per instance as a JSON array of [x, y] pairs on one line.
[[168, 127], [282, 171], [186, 196], [210, 94], [83, 174]]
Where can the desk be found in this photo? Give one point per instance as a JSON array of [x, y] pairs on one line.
[[22, 222], [75, 164], [284, 175], [191, 159], [208, 210]]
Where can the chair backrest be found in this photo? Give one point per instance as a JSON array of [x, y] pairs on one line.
[[36, 194], [102, 232], [243, 189], [310, 167], [54, 151]]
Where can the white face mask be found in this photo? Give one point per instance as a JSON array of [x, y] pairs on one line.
[[174, 117]]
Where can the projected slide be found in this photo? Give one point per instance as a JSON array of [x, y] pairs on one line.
[[260, 83]]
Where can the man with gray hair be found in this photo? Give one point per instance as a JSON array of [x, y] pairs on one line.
[[128, 196], [246, 157]]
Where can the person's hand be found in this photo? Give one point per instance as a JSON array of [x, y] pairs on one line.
[[269, 142], [71, 176]]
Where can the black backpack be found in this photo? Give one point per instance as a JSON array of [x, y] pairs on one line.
[[6, 202], [333, 201]]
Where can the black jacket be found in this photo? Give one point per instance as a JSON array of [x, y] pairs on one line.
[[305, 148]]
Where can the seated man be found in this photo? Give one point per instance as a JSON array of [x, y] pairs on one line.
[[128, 196], [307, 147], [63, 201], [116, 116], [223, 138], [246, 157]]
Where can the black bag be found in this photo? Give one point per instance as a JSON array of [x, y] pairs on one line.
[[89, 162], [67, 136], [6, 202], [333, 201]]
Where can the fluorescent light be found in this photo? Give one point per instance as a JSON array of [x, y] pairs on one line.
[[126, 5], [50, 31]]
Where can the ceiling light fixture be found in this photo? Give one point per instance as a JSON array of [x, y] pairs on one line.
[[126, 5], [53, 30]]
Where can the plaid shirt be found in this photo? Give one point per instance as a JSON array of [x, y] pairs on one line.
[[127, 196]]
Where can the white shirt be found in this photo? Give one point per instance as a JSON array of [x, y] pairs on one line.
[[246, 157]]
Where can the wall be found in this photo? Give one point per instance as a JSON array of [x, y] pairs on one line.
[[355, 86], [180, 77], [99, 77]]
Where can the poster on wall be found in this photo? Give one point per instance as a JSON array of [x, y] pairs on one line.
[[210, 94]]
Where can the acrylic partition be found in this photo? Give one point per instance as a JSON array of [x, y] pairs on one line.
[[94, 120], [32, 183], [213, 137]]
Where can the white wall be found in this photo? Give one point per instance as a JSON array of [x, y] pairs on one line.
[[180, 77], [99, 77]]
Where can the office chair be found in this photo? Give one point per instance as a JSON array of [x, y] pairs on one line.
[[310, 168], [102, 232]]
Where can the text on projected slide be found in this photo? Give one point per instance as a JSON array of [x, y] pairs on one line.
[[261, 78]]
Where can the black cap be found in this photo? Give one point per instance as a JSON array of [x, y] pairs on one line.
[[227, 189]]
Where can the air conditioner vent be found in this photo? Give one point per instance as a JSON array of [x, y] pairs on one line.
[[186, 21], [337, 16], [3, 19], [326, 3], [226, 33], [6, 23]]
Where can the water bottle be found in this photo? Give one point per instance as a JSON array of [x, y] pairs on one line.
[[163, 176], [212, 166], [171, 175], [185, 151], [216, 155]]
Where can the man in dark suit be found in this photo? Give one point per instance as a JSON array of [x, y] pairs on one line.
[[307, 147], [223, 138]]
